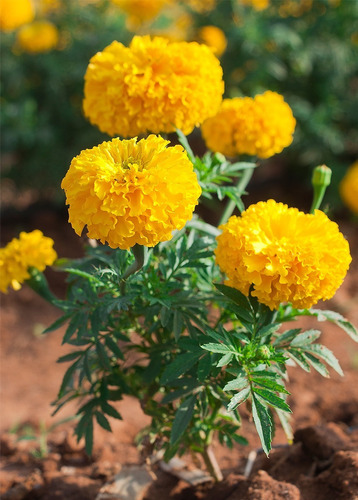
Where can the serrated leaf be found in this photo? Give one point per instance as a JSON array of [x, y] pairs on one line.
[[204, 366], [67, 378], [336, 318], [179, 366], [103, 421], [239, 298], [69, 357], [182, 418], [164, 315], [110, 410], [263, 423], [56, 324], [327, 355], [236, 384], [114, 347], [298, 357], [178, 324], [305, 338], [286, 336], [272, 399], [264, 373], [219, 348], [317, 364], [103, 356], [269, 384], [224, 360], [239, 398]]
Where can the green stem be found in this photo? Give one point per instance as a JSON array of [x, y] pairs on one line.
[[212, 464], [241, 186], [139, 255]]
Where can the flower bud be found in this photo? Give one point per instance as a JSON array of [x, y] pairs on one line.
[[321, 176]]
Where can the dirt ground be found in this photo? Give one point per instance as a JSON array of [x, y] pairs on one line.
[[322, 464]]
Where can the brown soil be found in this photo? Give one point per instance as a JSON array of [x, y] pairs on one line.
[[322, 464]]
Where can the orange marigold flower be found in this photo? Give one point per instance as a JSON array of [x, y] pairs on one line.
[[29, 250], [287, 255], [130, 192], [140, 11], [15, 13], [349, 188], [214, 38], [261, 126], [152, 86], [39, 36], [256, 4]]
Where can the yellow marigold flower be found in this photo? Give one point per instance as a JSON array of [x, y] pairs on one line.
[[15, 13], [349, 188], [130, 192], [29, 250], [214, 38], [39, 36], [152, 86], [287, 255], [256, 4], [201, 6], [140, 11], [261, 126]]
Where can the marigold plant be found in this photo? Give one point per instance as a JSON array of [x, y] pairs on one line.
[[349, 188], [214, 38], [128, 192], [39, 36], [285, 254], [261, 126], [15, 13], [30, 250], [152, 86]]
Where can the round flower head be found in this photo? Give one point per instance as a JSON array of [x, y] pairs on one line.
[[15, 13], [152, 86], [256, 4], [140, 11], [29, 250], [130, 192], [261, 126], [214, 38], [287, 255], [349, 188], [39, 36]]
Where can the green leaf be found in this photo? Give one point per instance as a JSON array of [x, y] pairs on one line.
[[264, 374], [89, 437], [56, 324], [164, 315], [184, 142], [103, 356], [180, 365], [298, 357], [239, 398], [225, 360], [336, 318], [269, 384], [272, 399], [316, 364], [178, 324], [67, 378], [305, 338], [263, 423], [286, 336], [103, 421], [239, 298], [327, 355], [285, 422], [110, 410], [70, 356], [236, 384], [182, 418], [204, 366], [219, 348], [113, 346]]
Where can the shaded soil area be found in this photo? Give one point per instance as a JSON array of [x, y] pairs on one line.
[[322, 464]]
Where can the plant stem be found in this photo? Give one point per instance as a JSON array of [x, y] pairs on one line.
[[139, 255], [241, 186], [212, 464]]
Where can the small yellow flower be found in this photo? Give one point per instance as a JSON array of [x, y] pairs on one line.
[[287, 255], [39, 36], [214, 38], [256, 4], [15, 13], [201, 6], [152, 86], [140, 11], [130, 192], [261, 126], [349, 188], [29, 250]]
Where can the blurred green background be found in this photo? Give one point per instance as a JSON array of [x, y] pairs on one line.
[[307, 50]]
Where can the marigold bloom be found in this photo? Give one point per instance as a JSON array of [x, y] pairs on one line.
[[261, 126], [287, 255], [29, 250], [39, 36], [256, 4], [129, 192], [214, 38], [15, 13], [348, 188], [201, 6], [152, 86], [140, 10]]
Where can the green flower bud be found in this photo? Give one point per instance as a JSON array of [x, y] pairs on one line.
[[321, 176]]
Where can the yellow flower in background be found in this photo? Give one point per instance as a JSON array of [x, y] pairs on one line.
[[201, 6], [287, 255], [140, 11], [39, 36], [214, 38], [15, 13], [152, 86], [29, 250], [256, 4], [45, 7], [349, 188], [130, 192], [262, 126]]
